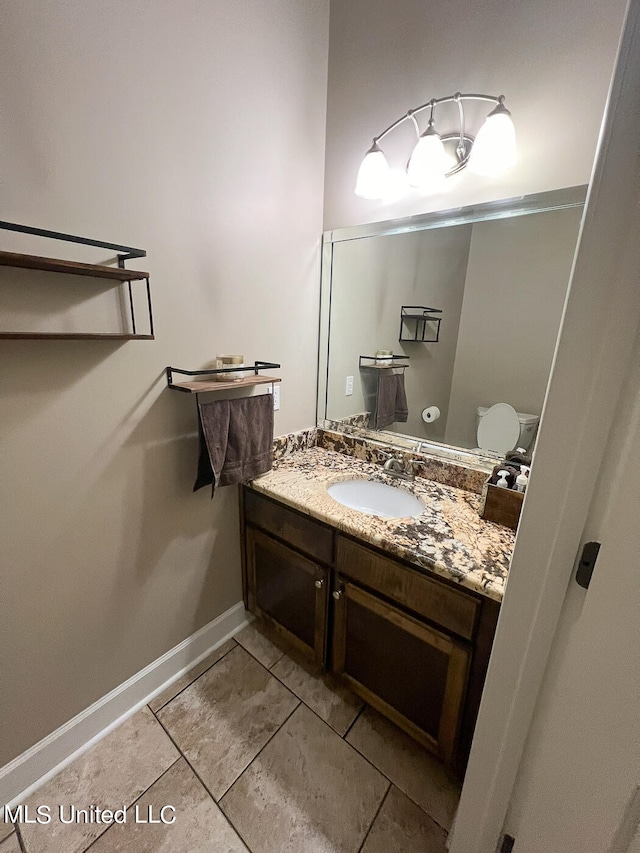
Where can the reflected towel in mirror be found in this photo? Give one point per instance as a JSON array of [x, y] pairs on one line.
[[391, 399]]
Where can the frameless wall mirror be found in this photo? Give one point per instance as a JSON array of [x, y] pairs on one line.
[[495, 278]]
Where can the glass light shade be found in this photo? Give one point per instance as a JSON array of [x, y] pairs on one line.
[[374, 175], [429, 162], [494, 150], [397, 186]]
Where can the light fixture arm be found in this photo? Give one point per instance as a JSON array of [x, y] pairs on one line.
[[461, 149], [434, 102]]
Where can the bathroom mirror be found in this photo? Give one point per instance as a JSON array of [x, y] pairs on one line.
[[496, 275]]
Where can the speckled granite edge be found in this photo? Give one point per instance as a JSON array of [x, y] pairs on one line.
[[439, 470], [358, 421], [449, 538], [442, 471], [293, 442]]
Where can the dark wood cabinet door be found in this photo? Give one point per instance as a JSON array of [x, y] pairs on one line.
[[288, 589], [411, 672]]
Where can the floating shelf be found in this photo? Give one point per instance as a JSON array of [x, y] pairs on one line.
[[397, 361], [73, 336], [413, 324], [202, 385], [33, 262], [117, 275]]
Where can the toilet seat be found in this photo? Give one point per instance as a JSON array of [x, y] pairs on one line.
[[499, 429]]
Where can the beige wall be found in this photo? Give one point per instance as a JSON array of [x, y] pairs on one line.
[[517, 278], [552, 61], [194, 130]]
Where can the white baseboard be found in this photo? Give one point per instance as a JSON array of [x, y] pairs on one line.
[[22, 776]]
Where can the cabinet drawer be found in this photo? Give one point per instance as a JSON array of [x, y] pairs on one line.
[[307, 535], [452, 609]]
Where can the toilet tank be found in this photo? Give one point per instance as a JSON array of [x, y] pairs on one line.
[[528, 426]]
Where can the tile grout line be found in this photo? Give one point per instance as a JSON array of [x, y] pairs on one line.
[[355, 720], [424, 811], [286, 720], [196, 678], [21, 843], [206, 788], [132, 803], [302, 701], [218, 803], [268, 668], [375, 817]]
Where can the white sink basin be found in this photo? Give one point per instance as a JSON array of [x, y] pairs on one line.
[[375, 498]]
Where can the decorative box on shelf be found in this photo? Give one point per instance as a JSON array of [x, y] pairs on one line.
[[502, 506]]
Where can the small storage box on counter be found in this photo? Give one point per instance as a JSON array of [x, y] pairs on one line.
[[502, 506]]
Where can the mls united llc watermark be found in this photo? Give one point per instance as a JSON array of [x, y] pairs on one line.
[[92, 814]]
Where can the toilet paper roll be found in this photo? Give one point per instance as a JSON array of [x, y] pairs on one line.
[[430, 414]]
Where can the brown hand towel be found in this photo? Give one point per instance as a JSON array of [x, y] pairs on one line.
[[391, 406], [250, 444], [213, 432], [236, 440]]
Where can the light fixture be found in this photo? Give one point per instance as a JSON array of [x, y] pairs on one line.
[[437, 157], [494, 150], [374, 174]]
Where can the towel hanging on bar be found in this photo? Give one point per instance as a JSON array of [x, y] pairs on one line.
[[391, 399], [236, 440]]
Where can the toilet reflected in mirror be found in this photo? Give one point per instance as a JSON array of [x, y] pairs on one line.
[[501, 429]]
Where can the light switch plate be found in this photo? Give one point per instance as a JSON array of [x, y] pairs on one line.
[[276, 398], [349, 387]]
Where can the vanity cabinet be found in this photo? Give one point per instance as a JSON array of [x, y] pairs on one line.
[[287, 578], [403, 642], [413, 646]]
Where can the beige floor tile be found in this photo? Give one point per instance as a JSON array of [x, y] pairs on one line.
[[402, 826], [224, 718], [199, 825], [179, 685], [409, 766], [5, 828], [331, 701], [308, 790], [10, 845], [263, 642], [111, 775]]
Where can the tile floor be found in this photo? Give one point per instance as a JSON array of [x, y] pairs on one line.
[[254, 750]]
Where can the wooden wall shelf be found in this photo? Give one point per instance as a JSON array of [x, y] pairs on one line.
[[117, 275], [200, 387], [210, 384], [34, 262], [73, 336]]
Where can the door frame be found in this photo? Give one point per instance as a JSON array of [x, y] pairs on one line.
[[591, 361]]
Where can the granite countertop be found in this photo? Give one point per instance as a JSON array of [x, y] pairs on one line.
[[449, 538]]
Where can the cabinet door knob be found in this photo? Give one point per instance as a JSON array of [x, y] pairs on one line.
[[319, 584], [337, 594]]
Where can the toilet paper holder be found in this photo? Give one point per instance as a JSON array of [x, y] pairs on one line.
[[430, 414]]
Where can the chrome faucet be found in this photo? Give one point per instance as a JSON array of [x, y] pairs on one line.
[[396, 467]]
